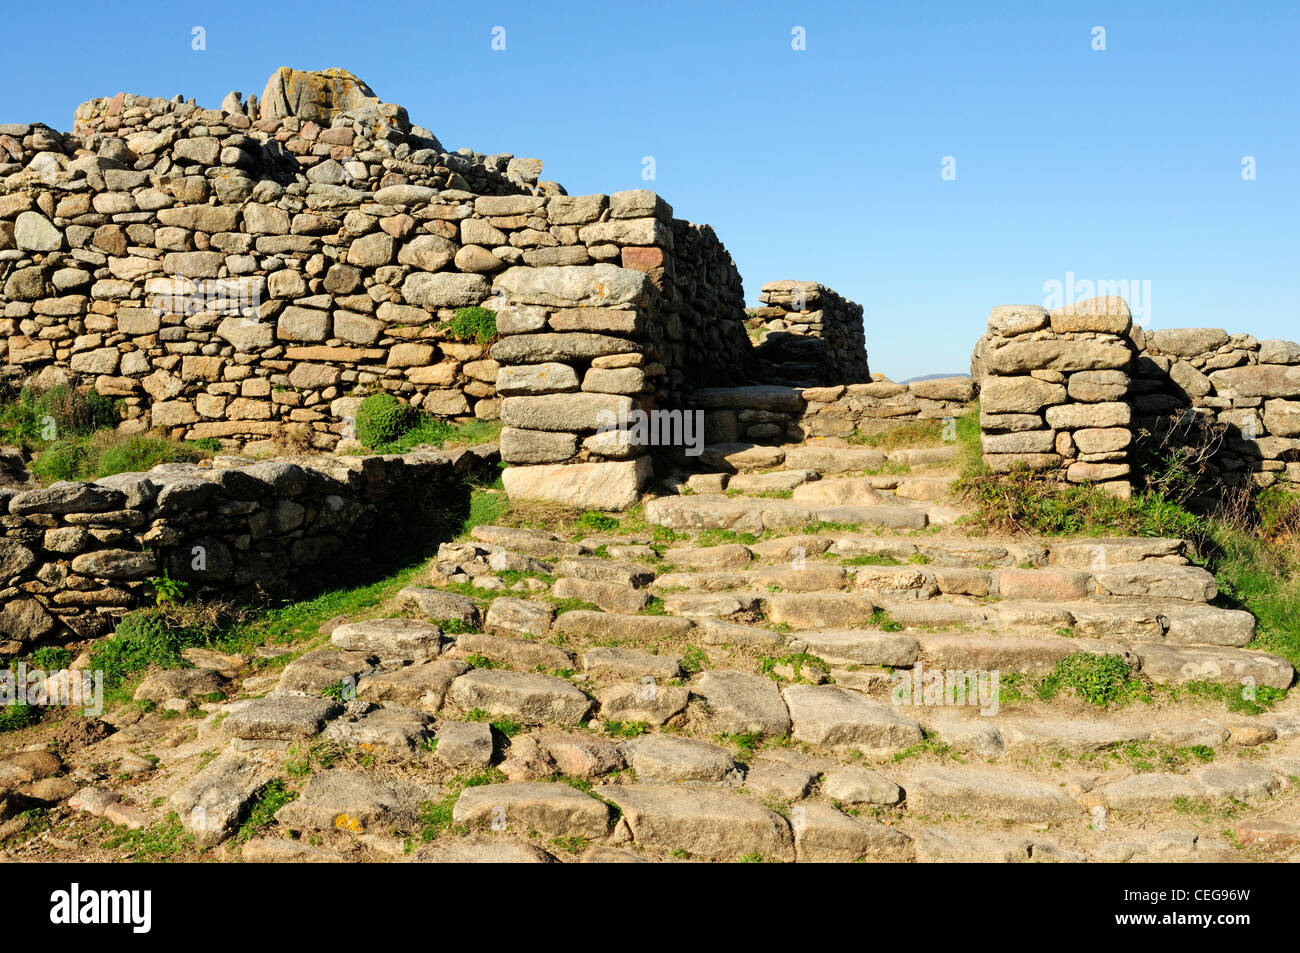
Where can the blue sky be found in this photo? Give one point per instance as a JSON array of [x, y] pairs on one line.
[[823, 163]]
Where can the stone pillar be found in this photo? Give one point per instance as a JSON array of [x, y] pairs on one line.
[[811, 335], [574, 381], [1055, 391]]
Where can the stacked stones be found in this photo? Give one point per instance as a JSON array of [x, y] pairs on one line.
[[574, 364], [810, 335], [705, 341], [252, 281], [772, 414], [1054, 396], [843, 409], [1251, 386], [74, 556]]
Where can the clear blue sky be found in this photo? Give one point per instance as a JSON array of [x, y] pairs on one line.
[[819, 164]]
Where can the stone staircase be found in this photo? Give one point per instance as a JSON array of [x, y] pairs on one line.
[[746, 669]]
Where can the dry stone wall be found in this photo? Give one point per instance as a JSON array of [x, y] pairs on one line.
[[773, 414], [1190, 381], [252, 279], [251, 273], [1054, 391], [809, 335], [76, 556], [1072, 392]]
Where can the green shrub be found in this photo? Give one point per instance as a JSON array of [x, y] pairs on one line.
[[16, 717], [36, 417], [106, 452], [51, 658], [1099, 679], [382, 418], [473, 324], [157, 636]]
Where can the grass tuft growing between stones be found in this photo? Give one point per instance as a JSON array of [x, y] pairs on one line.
[[262, 814], [478, 325]]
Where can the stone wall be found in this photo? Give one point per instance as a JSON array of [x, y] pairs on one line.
[[1191, 380], [773, 414], [1072, 391], [75, 556], [577, 356], [809, 335], [705, 343], [251, 273], [1054, 392], [253, 280]]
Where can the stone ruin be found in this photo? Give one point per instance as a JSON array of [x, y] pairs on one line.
[[1070, 392], [250, 273]]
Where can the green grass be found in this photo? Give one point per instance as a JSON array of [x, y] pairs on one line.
[[594, 522], [1101, 680], [473, 324], [17, 717], [101, 454], [72, 435], [1234, 697], [719, 537], [33, 418], [158, 843], [261, 815], [694, 660], [625, 729], [869, 559], [882, 620], [796, 661], [911, 433], [437, 432], [486, 506]]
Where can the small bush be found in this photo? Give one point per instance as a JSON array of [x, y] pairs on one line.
[[51, 658], [598, 522], [382, 418], [106, 452], [36, 417], [473, 324], [16, 717], [158, 636], [1098, 679]]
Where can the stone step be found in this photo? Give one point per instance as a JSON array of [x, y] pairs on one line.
[[979, 553], [922, 596], [836, 718], [1240, 781], [1141, 621], [1164, 664], [701, 822], [743, 515], [987, 792], [804, 485]]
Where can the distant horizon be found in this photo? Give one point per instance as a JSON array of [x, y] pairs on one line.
[[929, 164]]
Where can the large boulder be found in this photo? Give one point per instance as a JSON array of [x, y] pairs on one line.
[[591, 486], [320, 95]]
